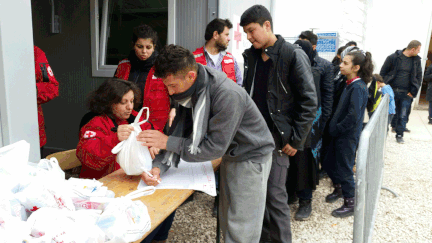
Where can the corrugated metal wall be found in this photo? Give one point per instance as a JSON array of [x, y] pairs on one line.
[[191, 21]]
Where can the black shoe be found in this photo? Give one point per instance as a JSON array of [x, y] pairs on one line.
[[304, 211], [346, 210], [430, 120], [292, 199], [335, 195], [393, 130], [323, 174], [407, 130], [399, 139]]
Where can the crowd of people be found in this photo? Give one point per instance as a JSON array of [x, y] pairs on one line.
[[289, 119]]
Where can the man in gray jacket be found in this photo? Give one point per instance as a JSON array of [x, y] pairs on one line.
[[216, 118]]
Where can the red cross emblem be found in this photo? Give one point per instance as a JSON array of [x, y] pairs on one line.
[[237, 35], [89, 134]]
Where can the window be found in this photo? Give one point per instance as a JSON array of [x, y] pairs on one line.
[[112, 22]]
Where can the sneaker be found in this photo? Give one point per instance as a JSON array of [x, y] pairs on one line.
[[407, 130], [393, 130], [399, 139]]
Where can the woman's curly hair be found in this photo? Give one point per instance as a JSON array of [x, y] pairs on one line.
[[111, 92]]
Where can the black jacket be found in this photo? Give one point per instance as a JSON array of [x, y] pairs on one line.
[[428, 78], [326, 86], [291, 97], [391, 65]]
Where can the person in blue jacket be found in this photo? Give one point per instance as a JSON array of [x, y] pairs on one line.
[[345, 128]]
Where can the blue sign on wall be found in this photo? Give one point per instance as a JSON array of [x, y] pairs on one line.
[[327, 42], [326, 45]]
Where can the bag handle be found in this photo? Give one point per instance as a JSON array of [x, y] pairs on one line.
[[118, 147], [136, 121], [148, 190]]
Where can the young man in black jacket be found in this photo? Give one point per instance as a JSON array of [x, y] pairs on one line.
[[278, 77], [402, 70]]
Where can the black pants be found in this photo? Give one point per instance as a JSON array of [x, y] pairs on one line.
[[161, 232]]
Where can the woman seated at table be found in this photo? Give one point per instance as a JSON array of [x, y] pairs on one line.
[[138, 68], [113, 104]]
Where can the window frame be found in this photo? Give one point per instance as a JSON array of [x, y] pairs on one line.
[[99, 40]]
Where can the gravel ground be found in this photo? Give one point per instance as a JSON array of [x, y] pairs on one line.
[[407, 218]]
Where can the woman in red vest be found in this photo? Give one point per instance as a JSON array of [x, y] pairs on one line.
[[112, 105], [138, 68]]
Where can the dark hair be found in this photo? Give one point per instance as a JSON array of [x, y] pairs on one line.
[[378, 78], [413, 44], [216, 25], [364, 60], [337, 60], [174, 59], [310, 36], [351, 43], [256, 14], [110, 92], [307, 48], [145, 32]]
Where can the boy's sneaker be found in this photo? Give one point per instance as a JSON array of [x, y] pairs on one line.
[[399, 139], [407, 130]]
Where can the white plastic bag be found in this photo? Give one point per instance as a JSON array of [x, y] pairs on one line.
[[81, 190], [132, 156], [49, 168], [124, 220], [55, 225], [44, 193], [14, 158], [12, 229]]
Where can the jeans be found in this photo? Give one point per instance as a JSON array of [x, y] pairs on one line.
[[403, 105]]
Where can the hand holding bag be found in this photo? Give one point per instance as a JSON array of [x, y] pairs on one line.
[[133, 157]]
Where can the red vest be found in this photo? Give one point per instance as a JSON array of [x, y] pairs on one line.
[[156, 96], [227, 62]]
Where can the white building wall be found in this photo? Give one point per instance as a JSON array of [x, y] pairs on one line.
[[392, 24], [18, 110], [347, 17]]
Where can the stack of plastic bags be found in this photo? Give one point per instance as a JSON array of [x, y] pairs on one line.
[[37, 204]]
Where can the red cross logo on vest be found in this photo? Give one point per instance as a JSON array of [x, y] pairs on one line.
[[89, 134]]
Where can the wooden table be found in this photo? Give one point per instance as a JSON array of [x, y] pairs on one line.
[[160, 204]]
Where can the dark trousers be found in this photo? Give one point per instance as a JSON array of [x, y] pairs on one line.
[[430, 110], [339, 162], [161, 232], [305, 194], [277, 225], [403, 108]]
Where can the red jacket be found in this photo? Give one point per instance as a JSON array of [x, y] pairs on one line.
[[96, 141], [46, 87], [227, 62], [155, 97]]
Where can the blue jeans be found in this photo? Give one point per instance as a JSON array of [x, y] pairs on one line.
[[403, 105]]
